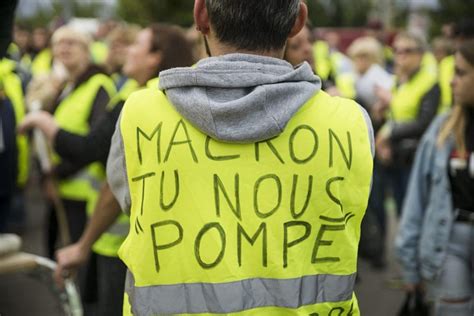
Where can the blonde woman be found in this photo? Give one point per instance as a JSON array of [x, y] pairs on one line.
[[367, 55], [436, 236]]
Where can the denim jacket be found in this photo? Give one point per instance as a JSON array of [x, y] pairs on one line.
[[428, 214]]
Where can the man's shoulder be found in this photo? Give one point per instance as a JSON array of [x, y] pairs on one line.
[[145, 95], [143, 100]]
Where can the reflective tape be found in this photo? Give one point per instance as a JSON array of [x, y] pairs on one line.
[[232, 297], [84, 175], [119, 228]]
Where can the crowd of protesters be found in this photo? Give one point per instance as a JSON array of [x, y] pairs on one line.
[[74, 86]]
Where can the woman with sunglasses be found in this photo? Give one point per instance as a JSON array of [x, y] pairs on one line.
[[405, 113]]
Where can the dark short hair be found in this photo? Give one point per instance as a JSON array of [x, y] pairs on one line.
[[256, 25]]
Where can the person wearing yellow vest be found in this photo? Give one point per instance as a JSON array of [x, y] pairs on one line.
[[13, 148], [156, 48], [118, 41], [13, 90], [412, 104], [79, 103], [336, 68], [463, 30], [42, 60], [245, 183]]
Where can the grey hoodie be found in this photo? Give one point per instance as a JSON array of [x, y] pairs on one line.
[[234, 98], [240, 98]]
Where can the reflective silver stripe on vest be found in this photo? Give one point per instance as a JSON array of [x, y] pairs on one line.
[[238, 296], [119, 228], [86, 176]]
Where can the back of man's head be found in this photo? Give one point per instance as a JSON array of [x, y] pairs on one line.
[[254, 25]]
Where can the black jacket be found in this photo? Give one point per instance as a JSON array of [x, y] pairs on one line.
[[8, 148]]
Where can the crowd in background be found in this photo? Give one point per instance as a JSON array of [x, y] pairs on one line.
[[74, 85]]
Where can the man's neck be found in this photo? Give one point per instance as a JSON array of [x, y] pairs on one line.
[[218, 49]]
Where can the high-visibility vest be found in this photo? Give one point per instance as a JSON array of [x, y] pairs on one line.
[[42, 63], [72, 115], [345, 84], [99, 51], [13, 90], [429, 63], [268, 228], [407, 97], [110, 241], [446, 76], [322, 62]]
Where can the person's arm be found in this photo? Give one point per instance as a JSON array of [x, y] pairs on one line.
[[415, 129], [83, 150], [411, 224], [117, 171], [105, 214], [78, 149]]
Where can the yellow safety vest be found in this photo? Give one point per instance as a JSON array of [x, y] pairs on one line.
[[99, 51], [429, 63], [446, 76], [42, 63], [268, 228], [109, 242], [13, 90], [406, 98], [72, 115], [345, 84], [322, 62]]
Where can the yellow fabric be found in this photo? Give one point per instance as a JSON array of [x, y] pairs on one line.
[[429, 63], [345, 84], [99, 51], [42, 63], [128, 87], [317, 146], [406, 98], [72, 115], [109, 243], [153, 83], [322, 61], [13, 90], [446, 76]]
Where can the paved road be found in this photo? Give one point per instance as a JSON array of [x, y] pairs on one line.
[[22, 295]]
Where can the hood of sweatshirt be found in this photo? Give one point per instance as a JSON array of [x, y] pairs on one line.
[[238, 97]]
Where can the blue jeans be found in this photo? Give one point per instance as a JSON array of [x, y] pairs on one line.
[[453, 290]]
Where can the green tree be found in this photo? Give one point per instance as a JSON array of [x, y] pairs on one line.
[[146, 11]]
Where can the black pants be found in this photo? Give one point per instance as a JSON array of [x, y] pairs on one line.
[[76, 219], [5, 205], [111, 283]]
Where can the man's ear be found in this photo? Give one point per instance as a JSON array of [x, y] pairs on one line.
[[300, 20], [201, 17]]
